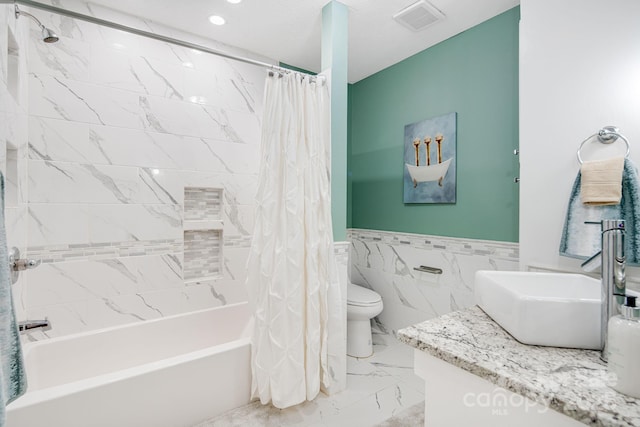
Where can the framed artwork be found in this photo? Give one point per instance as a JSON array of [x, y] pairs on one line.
[[430, 160]]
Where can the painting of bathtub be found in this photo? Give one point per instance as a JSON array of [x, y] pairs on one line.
[[430, 160]]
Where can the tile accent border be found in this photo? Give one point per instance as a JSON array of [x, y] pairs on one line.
[[341, 252], [240, 241], [98, 251], [498, 250]]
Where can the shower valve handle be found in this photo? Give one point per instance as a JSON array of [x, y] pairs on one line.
[[17, 264], [25, 264]]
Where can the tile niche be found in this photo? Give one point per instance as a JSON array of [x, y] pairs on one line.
[[202, 233]]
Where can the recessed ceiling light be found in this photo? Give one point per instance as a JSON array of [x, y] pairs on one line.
[[234, 1], [217, 20]]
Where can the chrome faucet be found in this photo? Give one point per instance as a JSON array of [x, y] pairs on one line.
[[612, 260], [27, 325]]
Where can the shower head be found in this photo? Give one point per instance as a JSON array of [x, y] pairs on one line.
[[48, 36]]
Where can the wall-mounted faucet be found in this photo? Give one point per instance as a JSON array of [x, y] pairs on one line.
[[27, 325], [612, 260]]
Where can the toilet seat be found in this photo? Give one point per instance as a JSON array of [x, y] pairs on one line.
[[361, 297]]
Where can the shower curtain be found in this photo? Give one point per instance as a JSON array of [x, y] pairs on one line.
[[292, 275]]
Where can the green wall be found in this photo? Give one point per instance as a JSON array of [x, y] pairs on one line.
[[335, 32], [474, 74]]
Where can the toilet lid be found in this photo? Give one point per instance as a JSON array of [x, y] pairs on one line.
[[357, 295]]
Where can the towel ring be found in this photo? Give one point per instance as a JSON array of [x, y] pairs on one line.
[[606, 135]]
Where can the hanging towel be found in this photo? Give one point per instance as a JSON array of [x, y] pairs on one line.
[[580, 240], [602, 181], [13, 380]]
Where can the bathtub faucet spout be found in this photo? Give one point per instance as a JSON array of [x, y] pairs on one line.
[[34, 324]]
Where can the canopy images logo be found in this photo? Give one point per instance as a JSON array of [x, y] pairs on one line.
[[500, 401]]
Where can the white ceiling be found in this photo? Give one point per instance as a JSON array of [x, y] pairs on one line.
[[289, 30]]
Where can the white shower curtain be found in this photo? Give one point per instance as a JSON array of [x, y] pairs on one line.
[[292, 276]]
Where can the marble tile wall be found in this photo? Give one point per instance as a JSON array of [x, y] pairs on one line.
[[13, 135], [385, 262], [118, 126], [338, 340]]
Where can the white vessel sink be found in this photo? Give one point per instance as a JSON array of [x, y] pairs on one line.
[[551, 309]]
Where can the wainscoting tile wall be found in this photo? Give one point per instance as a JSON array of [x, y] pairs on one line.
[[385, 262]]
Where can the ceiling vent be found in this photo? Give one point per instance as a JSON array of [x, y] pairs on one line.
[[419, 15]]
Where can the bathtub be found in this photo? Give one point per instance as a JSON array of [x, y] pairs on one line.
[[170, 372]]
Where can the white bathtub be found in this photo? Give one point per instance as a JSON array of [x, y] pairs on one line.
[[170, 372]]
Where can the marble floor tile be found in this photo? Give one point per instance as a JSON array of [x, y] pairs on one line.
[[414, 416], [397, 361], [376, 408], [382, 390]]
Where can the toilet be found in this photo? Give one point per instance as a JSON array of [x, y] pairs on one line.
[[362, 305]]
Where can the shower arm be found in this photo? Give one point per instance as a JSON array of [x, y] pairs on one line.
[[19, 13]]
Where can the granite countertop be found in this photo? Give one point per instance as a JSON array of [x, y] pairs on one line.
[[572, 382]]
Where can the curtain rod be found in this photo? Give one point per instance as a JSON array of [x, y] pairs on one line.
[[150, 35]]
